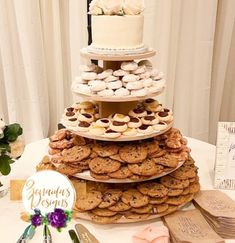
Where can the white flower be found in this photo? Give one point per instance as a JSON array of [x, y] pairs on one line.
[[17, 148], [111, 7], [133, 7], [2, 124], [108, 7], [94, 8]]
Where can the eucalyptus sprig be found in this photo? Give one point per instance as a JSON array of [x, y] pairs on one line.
[[8, 134]]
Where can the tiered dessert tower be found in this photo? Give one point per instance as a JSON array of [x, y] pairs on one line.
[[112, 105], [128, 161]]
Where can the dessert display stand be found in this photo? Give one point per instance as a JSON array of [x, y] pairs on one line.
[[108, 106]]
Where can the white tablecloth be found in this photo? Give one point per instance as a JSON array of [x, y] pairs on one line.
[[11, 226]]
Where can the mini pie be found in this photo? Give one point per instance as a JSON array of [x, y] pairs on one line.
[[145, 129], [118, 126], [134, 122], [103, 122], [85, 117], [121, 118], [149, 120]]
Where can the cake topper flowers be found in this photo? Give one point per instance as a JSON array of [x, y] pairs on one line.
[[116, 7]]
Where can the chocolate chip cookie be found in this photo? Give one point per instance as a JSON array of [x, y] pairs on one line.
[[133, 153], [167, 160], [153, 189], [134, 198], [89, 201], [76, 153], [105, 149], [122, 173], [104, 165], [109, 198], [147, 168], [174, 183], [143, 210], [120, 207]]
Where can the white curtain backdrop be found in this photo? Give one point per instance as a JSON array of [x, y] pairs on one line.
[[40, 41]]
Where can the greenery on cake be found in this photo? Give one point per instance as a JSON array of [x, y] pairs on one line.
[[8, 136], [116, 7]]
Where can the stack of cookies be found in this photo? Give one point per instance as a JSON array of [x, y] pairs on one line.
[[147, 117], [71, 154], [132, 79], [108, 203]]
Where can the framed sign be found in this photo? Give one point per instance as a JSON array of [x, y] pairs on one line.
[[225, 156], [47, 190]]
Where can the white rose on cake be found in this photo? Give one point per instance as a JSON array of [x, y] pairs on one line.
[[107, 7], [94, 8], [133, 7]]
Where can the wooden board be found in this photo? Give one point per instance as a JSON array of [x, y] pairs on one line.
[[16, 187], [116, 99], [123, 220], [122, 138], [86, 176], [116, 57]]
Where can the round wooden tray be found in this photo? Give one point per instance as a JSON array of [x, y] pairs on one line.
[[122, 57], [116, 99], [121, 138], [123, 220], [86, 176]]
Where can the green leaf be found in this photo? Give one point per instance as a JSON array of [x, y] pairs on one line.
[[4, 147], [13, 131], [5, 161]]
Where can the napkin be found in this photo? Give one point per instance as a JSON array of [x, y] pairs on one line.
[[219, 211], [152, 234]]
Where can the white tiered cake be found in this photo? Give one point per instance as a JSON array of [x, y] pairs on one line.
[[117, 32]]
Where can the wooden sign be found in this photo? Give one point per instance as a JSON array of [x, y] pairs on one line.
[[225, 156]]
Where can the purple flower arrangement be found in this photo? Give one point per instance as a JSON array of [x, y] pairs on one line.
[[57, 219]]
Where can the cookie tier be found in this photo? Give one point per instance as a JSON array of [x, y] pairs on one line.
[[105, 203], [118, 121], [119, 79], [87, 176], [122, 138]]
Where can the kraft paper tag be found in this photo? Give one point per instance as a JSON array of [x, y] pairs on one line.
[[191, 227], [216, 203], [16, 187]]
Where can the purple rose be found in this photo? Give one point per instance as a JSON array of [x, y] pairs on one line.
[[36, 220], [57, 218]]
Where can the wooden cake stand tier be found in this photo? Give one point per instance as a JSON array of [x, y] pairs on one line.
[[122, 138], [123, 57], [116, 98], [86, 176]]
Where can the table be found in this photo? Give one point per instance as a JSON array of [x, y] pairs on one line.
[[11, 226]]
